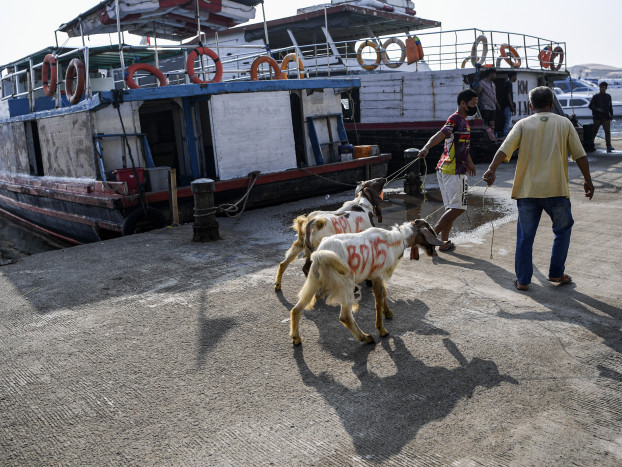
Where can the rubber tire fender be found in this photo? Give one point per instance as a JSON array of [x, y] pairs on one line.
[[155, 217]]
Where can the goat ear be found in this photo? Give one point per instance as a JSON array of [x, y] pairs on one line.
[[375, 199], [430, 237]]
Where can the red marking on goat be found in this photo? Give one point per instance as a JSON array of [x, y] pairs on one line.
[[345, 225], [375, 250], [359, 219], [336, 225]]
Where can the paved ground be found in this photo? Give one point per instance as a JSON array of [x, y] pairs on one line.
[[153, 350]]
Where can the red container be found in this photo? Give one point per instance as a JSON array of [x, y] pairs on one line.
[[129, 176]]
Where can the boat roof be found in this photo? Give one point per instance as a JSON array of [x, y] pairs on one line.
[[345, 22], [168, 19]]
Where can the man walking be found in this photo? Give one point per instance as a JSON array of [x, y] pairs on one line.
[[507, 102], [454, 164], [487, 90], [544, 140], [602, 113]]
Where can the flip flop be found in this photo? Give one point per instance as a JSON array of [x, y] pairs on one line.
[[520, 287], [566, 279], [448, 246]]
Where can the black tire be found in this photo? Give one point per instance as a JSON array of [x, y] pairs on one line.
[[140, 220]]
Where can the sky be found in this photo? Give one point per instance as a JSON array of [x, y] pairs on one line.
[[591, 29]]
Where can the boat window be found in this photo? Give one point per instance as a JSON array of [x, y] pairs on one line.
[[578, 102]]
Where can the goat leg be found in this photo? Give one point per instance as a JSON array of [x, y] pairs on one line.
[[347, 320], [290, 256], [380, 295]]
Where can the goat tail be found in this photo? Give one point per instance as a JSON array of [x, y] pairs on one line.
[[299, 226], [333, 278]]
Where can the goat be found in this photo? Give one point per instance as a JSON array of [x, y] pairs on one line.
[[354, 216], [342, 261]]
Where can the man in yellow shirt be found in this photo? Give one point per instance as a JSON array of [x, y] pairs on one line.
[[544, 141]]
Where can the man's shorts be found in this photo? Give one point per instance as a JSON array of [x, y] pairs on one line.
[[454, 189]]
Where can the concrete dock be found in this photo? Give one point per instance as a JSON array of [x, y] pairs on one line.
[[154, 350]]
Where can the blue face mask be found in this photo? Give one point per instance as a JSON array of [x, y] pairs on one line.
[[471, 110]]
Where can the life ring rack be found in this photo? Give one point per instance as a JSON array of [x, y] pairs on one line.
[[75, 71], [359, 56], [192, 56], [385, 58], [133, 68], [285, 63], [265, 59]]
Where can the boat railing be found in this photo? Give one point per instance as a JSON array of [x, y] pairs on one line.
[[442, 50]]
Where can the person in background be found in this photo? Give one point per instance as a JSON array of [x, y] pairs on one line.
[[454, 165], [507, 102], [602, 113], [488, 103], [544, 141]]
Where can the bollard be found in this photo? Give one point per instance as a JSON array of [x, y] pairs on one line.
[[412, 181], [205, 225]]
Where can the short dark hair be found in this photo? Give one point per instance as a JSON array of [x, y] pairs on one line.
[[511, 74], [490, 71], [466, 95], [604, 83], [541, 97]]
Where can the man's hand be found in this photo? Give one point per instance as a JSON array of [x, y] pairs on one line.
[[424, 152], [589, 189], [489, 177], [471, 168]]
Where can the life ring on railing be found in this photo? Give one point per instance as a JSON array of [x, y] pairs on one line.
[[545, 57], [383, 54], [76, 71], [49, 75], [359, 56], [264, 59], [133, 68], [513, 59], [557, 52], [192, 56], [465, 61], [285, 64], [475, 60]]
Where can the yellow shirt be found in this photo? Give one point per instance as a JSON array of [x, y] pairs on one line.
[[544, 141]]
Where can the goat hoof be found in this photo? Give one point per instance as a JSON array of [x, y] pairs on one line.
[[368, 339], [383, 332], [296, 340], [277, 287], [388, 314]]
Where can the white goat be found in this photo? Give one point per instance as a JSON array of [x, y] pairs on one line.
[[342, 261], [354, 216]]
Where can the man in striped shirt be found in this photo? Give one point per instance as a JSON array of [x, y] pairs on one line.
[[455, 164]]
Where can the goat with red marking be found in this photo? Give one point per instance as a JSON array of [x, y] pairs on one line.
[[342, 261], [354, 216]]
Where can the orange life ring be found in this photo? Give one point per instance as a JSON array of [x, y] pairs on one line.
[[129, 74], [557, 52], [513, 59], [265, 59], [383, 54], [545, 57], [359, 56], [49, 75], [285, 64], [76, 71], [192, 56]]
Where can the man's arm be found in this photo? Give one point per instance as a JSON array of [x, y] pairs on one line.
[[489, 176], [584, 167], [433, 141]]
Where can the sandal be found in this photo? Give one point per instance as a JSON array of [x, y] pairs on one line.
[[520, 287], [565, 279], [448, 246]]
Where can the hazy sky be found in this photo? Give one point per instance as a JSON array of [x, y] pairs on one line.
[[590, 28]]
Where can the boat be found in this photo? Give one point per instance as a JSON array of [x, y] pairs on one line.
[[410, 69], [577, 103], [97, 142]]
